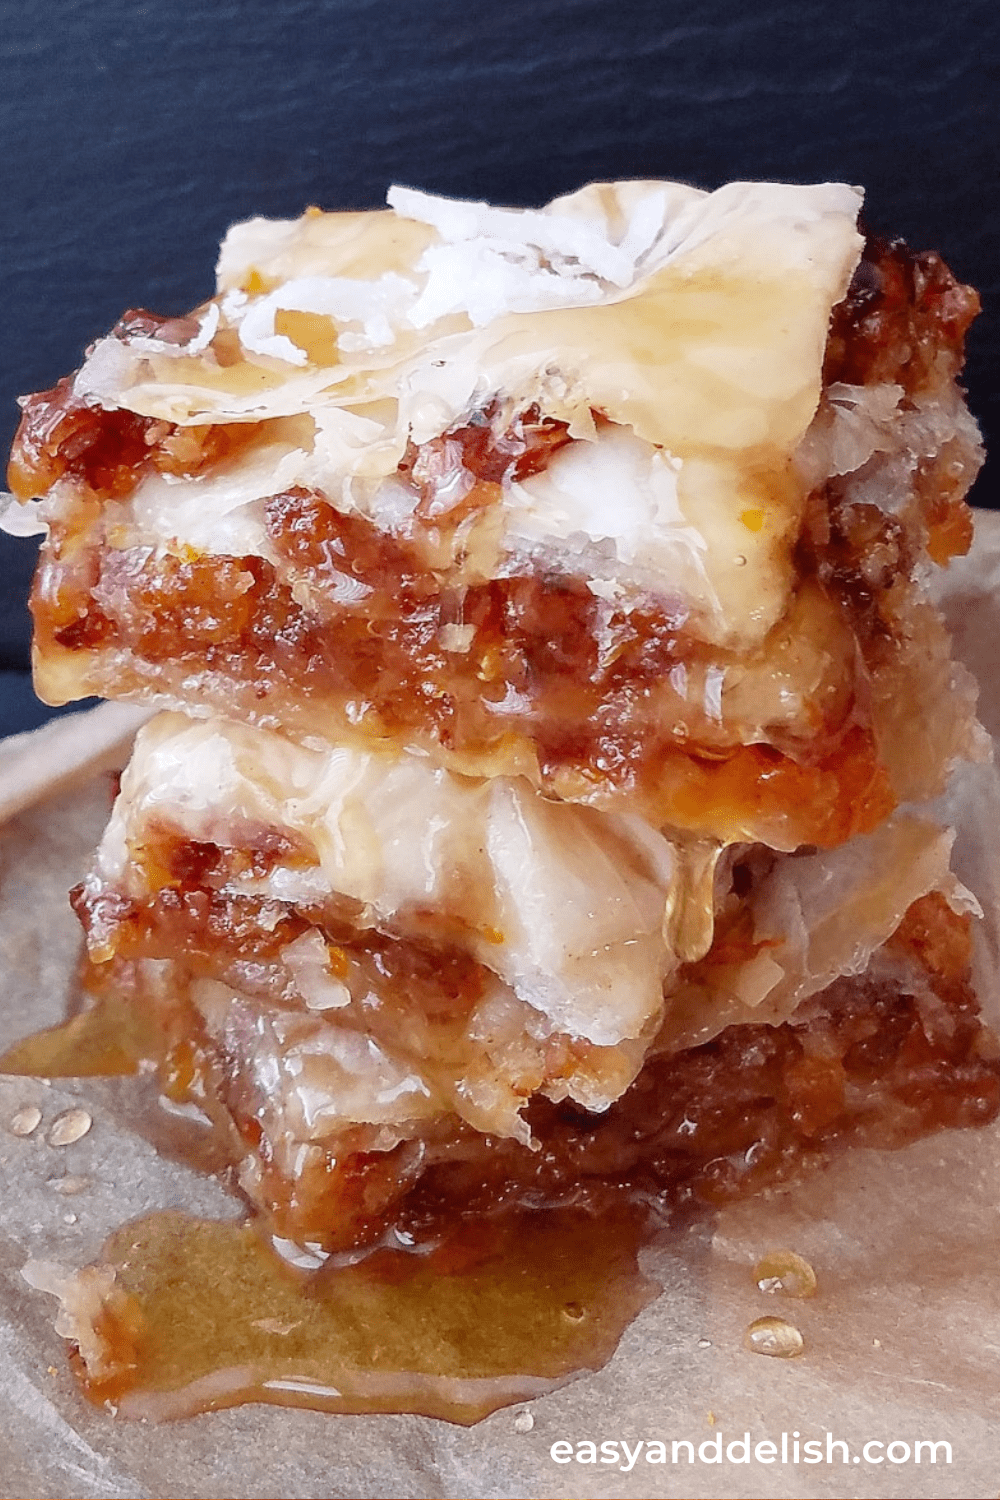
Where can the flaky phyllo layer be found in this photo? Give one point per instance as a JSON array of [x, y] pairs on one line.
[[544, 593], [596, 495]]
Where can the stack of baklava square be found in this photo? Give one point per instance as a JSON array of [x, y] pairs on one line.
[[552, 699]]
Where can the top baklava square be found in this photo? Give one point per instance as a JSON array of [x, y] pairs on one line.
[[631, 496]]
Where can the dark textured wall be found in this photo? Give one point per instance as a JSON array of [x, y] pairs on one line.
[[133, 134]]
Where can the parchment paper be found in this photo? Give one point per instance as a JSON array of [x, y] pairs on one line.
[[902, 1340]]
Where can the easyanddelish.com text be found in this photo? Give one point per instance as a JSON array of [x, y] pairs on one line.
[[790, 1448]]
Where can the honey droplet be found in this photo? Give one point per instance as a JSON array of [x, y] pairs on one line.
[[786, 1273], [26, 1120], [775, 1337], [72, 1125], [524, 1421]]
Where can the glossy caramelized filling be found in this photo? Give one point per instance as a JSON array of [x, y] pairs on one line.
[[62, 437], [903, 320]]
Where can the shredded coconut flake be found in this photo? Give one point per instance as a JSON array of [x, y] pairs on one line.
[[22, 518], [376, 305]]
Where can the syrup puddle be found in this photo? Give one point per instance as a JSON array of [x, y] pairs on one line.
[[204, 1315], [200, 1315], [109, 1039]]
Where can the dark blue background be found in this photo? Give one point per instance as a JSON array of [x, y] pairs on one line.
[[133, 134]]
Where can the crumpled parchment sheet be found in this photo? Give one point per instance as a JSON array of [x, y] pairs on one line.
[[902, 1340]]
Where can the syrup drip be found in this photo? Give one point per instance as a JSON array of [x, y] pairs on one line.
[[205, 1315]]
